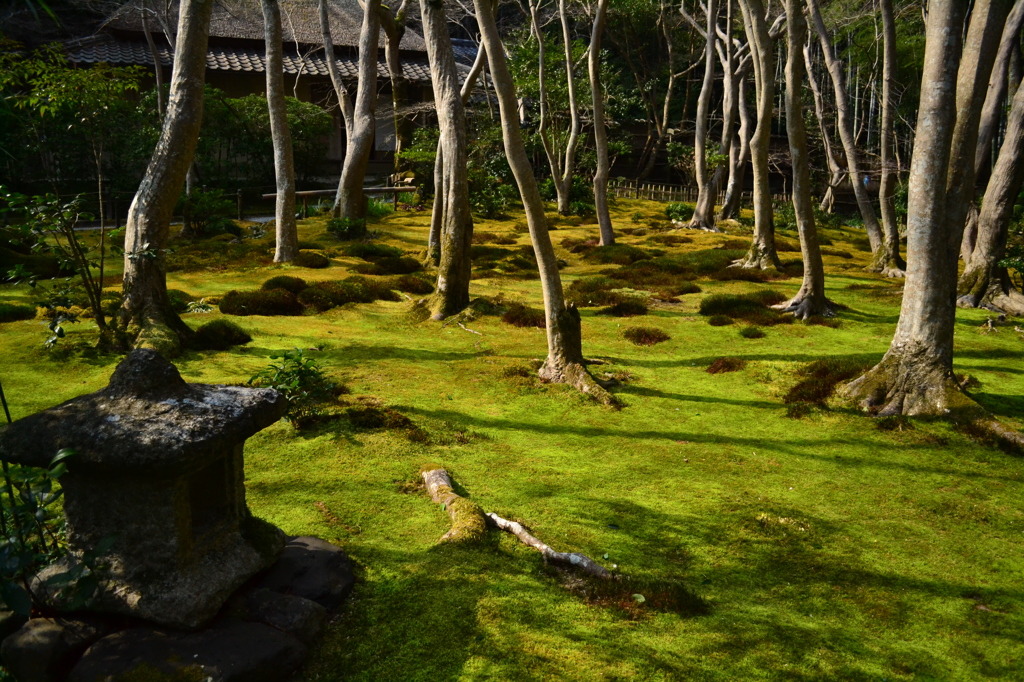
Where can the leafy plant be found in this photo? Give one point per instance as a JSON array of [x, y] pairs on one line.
[[205, 212], [347, 228], [679, 211], [302, 381]]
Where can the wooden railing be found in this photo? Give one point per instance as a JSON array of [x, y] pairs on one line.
[[631, 189]]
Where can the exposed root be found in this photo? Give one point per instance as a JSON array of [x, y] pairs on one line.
[[1010, 302], [804, 307], [166, 334], [912, 383], [469, 523], [992, 432], [577, 376], [894, 272], [760, 256]]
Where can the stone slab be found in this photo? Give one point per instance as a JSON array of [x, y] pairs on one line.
[[44, 649], [313, 569]]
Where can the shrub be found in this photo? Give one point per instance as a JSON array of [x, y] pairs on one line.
[[302, 381], [220, 335], [644, 336], [411, 284], [637, 216], [727, 364], [719, 320], [286, 282], [752, 333], [389, 266], [618, 254], [346, 229], [679, 211], [12, 312], [311, 259], [371, 252], [520, 315], [317, 298], [179, 300], [260, 302], [628, 307], [377, 209], [820, 378]]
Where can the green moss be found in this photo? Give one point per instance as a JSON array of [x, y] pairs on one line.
[[220, 335], [12, 312], [147, 673], [311, 259]]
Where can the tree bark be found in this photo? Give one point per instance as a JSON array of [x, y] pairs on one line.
[[894, 265], [836, 171], [284, 165], [739, 156], [762, 250], [453, 274], [394, 31], [350, 202], [915, 377], [985, 283], [810, 300], [603, 169], [146, 313], [848, 138], [707, 191], [998, 84], [565, 363]]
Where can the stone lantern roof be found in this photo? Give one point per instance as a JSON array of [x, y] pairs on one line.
[[147, 420]]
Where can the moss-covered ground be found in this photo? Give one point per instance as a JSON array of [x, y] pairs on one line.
[[817, 548]]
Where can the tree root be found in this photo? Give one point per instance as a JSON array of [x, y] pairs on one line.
[[759, 256], [1010, 302], [469, 523], [804, 307], [577, 376]]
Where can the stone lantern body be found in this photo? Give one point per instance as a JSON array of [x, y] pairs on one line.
[[158, 468]]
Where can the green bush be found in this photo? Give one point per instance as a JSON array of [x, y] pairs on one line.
[[302, 381], [644, 336], [220, 335], [679, 211], [377, 209], [346, 229], [520, 315], [179, 300], [312, 260], [286, 282], [260, 302], [12, 312]]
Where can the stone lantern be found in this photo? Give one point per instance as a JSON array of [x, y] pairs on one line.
[[159, 469]]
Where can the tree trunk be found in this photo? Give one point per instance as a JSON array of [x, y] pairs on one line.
[[849, 139], [565, 363], [453, 274], [350, 202], [284, 165], [810, 299], [894, 265], [394, 31], [762, 251], [603, 169], [916, 375], [985, 283], [704, 212], [998, 84], [739, 156], [158, 69], [146, 313], [836, 172]]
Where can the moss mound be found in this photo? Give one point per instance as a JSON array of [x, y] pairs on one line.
[[520, 315], [627, 307], [723, 365], [752, 307], [220, 335], [752, 333], [719, 320], [312, 260], [260, 302], [286, 282], [179, 300], [412, 284], [371, 418], [644, 336], [389, 265], [322, 296], [12, 312], [593, 291], [371, 252], [618, 254], [819, 379]]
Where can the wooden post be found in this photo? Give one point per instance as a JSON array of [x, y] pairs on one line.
[[238, 202]]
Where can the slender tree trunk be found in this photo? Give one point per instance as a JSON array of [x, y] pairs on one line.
[[158, 69], [146, 313], [916, 375], [604, 219], [704, 213], [985, 283], [453, 274], [739, 156], [394, 31], [284, 165], [998, 83], [350, 202], [569, 164], [836, 171], [762, 250], [565, 363], [846, 123], [894, 265], [810, 299]]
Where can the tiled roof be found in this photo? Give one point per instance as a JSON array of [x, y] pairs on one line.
[[231, 58]]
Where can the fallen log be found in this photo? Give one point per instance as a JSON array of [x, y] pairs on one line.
[[469, 522]]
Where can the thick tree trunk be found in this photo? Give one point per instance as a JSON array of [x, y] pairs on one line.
[[350, 202], [848, 138], [284, 165], [453, 274], [894, 265], [146, 313], [762, 251], [985, 283], [992, 111], [707, 191], [916, 375], [810, 299], [565, 363], [739, 157], [603, 169]]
